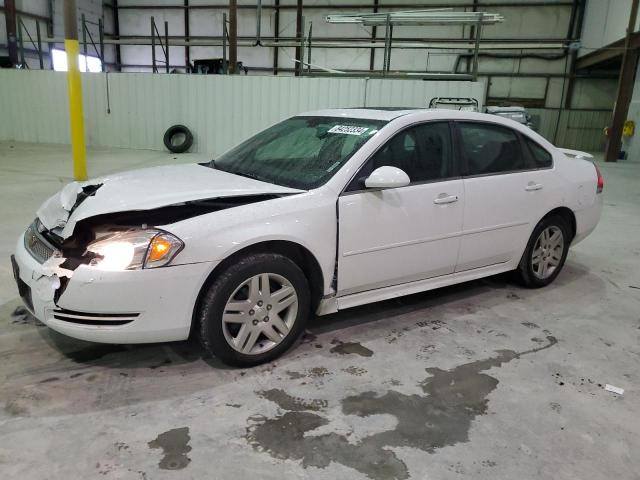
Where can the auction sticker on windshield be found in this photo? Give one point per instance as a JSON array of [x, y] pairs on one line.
[[348, 130]]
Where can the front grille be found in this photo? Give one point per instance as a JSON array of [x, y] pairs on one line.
[[86, 318], [36, 245]]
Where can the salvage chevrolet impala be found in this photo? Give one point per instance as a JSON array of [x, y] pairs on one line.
[[321, 212]]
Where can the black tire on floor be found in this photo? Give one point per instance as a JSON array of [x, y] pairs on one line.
[[525, 270], [178, 130], [214, 300]]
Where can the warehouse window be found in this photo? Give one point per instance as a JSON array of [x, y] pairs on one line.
[[490, 149], [91, 64]]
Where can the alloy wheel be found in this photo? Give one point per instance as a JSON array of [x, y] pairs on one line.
[[260, 313], [547, 252]]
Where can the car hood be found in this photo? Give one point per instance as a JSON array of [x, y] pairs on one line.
[[146, 189]]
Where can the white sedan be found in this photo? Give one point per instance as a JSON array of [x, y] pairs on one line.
[[321, 212]]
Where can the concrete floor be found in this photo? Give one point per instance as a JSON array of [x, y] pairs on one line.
[[484, 380]]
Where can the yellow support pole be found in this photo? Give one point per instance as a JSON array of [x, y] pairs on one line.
[[74, 87], [76, 115]]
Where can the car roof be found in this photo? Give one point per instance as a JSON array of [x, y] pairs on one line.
[[369, 113], [391, 113]]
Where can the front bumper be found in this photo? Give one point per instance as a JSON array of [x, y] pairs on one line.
[[132, 306]]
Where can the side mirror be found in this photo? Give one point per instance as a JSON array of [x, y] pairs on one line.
[[387, 177]]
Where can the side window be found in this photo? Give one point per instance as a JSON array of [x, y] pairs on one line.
[[490, 149], [423, 152], [541, 158]]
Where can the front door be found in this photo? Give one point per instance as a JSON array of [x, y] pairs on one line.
[[393, 236]]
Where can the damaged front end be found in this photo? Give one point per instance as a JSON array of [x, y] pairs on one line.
[[62, 239], [52, 275], [107, 247], [55, 212], [48, 248], [100, 284], [87, 265]]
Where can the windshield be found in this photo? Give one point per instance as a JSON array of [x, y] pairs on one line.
[[301, 152]]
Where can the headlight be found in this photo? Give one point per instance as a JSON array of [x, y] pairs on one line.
[[135, 249]]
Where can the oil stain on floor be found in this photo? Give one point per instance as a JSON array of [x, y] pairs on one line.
[[175, 446], [348, 348], [441, 417]]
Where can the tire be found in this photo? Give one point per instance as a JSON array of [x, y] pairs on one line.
[[237, 294], [178, 130], [541, 250]]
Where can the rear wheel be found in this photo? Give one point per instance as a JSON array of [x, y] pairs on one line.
[[254, 310], [546, 252]]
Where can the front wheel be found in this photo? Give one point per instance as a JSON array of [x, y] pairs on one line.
[[546, 252], [254, 310]]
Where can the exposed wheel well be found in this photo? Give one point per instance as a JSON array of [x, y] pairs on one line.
[[568, 215], [296, 252]]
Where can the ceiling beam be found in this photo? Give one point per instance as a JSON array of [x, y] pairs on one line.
[[352, 6], [604, 54]]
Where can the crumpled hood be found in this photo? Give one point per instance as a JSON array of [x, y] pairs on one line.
[[146, 189]]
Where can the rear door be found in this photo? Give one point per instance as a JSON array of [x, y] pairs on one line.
[[399, 235], [504, 192]]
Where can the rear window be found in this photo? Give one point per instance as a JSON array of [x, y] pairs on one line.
[[490, 149], [541, 158]]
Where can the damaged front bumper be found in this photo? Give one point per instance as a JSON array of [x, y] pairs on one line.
[[129, 306]]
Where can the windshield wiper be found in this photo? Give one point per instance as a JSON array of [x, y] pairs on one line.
[[212, 164], [248, 175]]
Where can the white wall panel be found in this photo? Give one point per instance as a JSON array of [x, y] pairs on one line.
[[577, 129], [92, 10], [223, 110], [418, 93], [538, 21], [220, 110], [509, 87], [605, 22], [594, 93]]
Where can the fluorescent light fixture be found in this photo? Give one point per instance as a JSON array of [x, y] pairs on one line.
[[92, 64], [441, 16]]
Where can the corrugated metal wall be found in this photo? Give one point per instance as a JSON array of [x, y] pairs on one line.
[[223, 110], [219, 110], [578, 129]]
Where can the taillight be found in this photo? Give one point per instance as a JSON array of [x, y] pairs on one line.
[[600, 184]]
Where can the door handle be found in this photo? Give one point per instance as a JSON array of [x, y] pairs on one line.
[[444, 198], [532, 186]]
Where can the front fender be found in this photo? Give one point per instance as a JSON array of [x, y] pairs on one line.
[[308, 220]]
